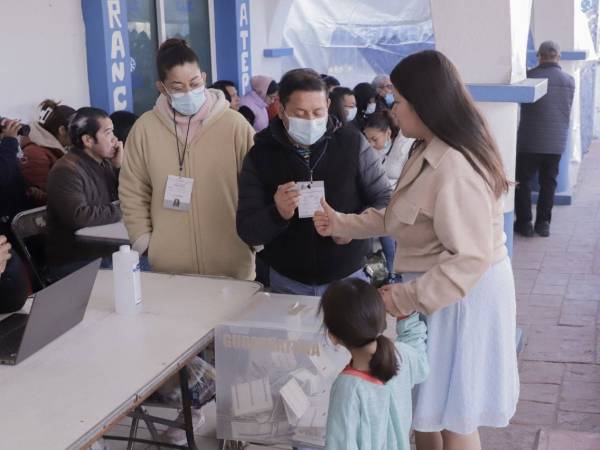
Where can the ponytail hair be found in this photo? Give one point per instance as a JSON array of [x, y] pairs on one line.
[[53, 115], [354, 312], [384, 363]]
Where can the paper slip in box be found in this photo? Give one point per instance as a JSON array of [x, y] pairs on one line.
[[309, 381], [323, 364], [284, 360], [314, 417], [252, 397], [295, 400]]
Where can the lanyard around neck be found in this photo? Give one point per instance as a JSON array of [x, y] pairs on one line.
[[180, 156]]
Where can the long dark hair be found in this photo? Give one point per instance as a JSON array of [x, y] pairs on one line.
[[53, 115], [354, 312], [432, 85]]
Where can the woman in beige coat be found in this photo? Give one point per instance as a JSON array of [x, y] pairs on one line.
[[178, 185], [446, 215]]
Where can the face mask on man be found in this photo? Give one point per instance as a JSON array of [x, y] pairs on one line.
[[307, 131], [389, 98], [370, 109], [188, 103], [351, 113]]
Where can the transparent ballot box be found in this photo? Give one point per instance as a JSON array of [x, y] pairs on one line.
[[275, 367]]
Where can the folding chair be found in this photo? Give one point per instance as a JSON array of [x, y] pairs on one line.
[[30, 230]]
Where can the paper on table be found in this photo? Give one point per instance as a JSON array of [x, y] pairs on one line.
[[252, 397], [295, 400]]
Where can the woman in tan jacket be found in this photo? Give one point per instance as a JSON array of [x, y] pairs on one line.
[[178, 185], [446, 215]]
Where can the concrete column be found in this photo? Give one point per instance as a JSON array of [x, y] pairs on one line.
[[487, 41]]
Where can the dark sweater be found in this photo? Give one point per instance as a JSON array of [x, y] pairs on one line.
[[354, 180], [544, 125], [12, 184], [13, 286], [81, 192]]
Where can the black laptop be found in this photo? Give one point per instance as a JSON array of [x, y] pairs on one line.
[[55, 310]]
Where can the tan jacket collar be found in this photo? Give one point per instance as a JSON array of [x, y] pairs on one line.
[[434, 154]]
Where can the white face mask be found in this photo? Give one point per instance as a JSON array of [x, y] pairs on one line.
[[389, 98], [188, 103], [306, 131], [350, 113], [387, 146], [370, 109]]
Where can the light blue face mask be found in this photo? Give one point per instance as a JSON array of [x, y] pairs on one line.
[[389, 98], [350, 113], [188, 103]]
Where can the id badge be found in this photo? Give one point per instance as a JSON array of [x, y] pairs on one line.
[[178, 193], [310, 197]]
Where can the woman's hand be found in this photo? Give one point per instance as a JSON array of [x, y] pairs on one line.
[[323, 220]]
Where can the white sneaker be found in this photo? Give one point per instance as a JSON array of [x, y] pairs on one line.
[[177, 436]]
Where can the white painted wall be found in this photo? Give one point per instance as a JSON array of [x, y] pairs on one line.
[[43, 56], [267, 18]]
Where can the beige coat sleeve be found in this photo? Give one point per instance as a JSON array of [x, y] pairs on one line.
[[244, 141], [135, 190], [466, 232], [359, 226]]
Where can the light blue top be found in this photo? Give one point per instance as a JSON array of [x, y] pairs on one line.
[[364, 415]]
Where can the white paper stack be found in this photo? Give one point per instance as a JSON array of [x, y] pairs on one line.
[[251, 398]]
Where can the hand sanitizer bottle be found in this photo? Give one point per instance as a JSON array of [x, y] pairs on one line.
[[126, 277]]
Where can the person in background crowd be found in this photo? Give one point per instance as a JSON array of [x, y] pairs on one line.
[[47, 142], [191, 133], [342, 104], [302, 147], [389, 144], [381, 133], [12, 184], [122, 123], [82, 192], [231, 93], [253, 105], [13, 281], [447, 217], [370, 405], [385, 92], [330, 82], [541, 141], [365, 103]]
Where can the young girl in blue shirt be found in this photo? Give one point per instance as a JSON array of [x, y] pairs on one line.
[[370, 407]]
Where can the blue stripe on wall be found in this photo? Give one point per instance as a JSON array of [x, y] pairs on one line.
[[529, 90]]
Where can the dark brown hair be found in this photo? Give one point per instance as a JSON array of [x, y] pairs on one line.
[[53, 115], [381, 120], [299, 80], [432, 85], [353, 311], [173, 52]]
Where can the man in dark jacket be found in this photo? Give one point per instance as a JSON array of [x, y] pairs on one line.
[[82, 191], [541, 140], [303, 151]]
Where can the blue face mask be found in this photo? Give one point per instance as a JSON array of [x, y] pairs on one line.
[[389, 98], [188, 103]]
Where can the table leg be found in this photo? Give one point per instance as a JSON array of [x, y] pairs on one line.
[[187, 408]]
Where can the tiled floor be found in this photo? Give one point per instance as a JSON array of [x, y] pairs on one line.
[[558, 296]]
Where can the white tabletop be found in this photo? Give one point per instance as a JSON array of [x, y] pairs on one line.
[[113, 232], [71, 390]]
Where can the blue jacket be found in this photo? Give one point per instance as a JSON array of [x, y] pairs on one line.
[[544, 125]]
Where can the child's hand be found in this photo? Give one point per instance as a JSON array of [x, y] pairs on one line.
[[386, 294]]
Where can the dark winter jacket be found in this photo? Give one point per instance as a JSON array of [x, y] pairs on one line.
[[544, 125], [354, 180]]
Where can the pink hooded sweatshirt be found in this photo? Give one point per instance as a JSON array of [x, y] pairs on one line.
[[256, 101]]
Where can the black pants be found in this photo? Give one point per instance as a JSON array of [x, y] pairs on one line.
[[546, 165]]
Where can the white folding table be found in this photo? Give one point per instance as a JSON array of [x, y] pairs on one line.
[[73, 390]]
